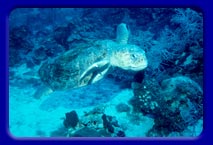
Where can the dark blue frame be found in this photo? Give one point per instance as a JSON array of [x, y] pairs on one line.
[[7, 5]]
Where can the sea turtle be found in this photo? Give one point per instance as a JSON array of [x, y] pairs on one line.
[[79, 67]]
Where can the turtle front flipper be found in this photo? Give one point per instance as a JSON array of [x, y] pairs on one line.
[[122, 34], [95, 72]]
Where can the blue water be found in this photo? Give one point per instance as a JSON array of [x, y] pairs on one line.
[[164, 99]]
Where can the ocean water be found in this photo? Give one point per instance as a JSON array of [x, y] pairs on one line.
[[80, 72]]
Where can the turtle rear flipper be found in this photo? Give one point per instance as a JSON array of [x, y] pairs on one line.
[[42, 91], [95, 72]]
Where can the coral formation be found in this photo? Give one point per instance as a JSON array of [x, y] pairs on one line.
[[175, 105]]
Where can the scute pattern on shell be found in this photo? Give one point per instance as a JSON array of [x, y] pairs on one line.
[[64, 71]]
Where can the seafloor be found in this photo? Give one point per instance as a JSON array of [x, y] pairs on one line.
[[164, 100]]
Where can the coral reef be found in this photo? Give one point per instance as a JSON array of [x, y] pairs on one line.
[[175, 104]]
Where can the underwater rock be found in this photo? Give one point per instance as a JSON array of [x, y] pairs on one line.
[[60, 132], [104, 133], [181, 105], [71, 119], [121, 134], [92, 119], [107, 124], [110, 123], [174, 104], [86, 132]]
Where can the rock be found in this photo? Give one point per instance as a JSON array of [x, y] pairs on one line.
[[121, 134], [71, 119], [86, 132], [180, 105]]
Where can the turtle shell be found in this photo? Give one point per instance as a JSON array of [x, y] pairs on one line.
[[64, 71]]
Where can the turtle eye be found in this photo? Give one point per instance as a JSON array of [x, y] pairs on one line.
[[133, 57]]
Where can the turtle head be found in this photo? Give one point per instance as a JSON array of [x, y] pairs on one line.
[[129, 57]]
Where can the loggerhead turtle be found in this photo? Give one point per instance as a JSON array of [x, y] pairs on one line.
[[80, 67]]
